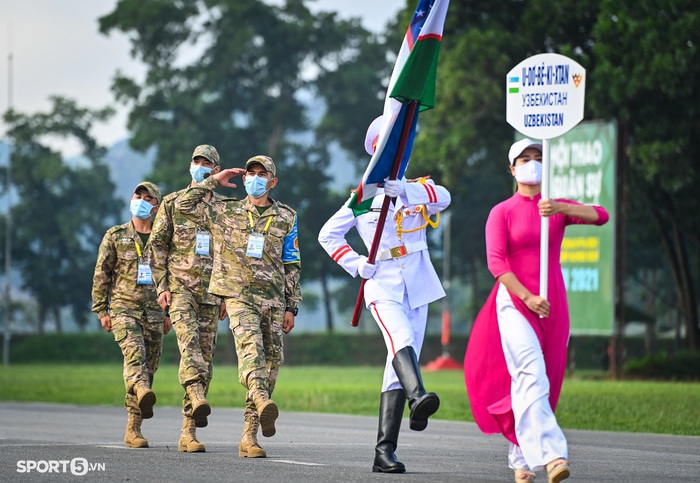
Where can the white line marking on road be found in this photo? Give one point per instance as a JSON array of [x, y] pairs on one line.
[[301, 463]]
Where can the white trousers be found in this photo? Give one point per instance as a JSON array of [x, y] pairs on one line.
[[540, 437], [401, 327]]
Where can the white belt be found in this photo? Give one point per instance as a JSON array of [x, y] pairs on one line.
[[401, 250]]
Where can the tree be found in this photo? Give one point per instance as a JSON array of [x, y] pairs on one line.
[[61, 212], [354, 94], [640, 71], [240, 92], [652, 84], [463, 142]]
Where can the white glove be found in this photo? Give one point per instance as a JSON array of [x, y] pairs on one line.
[[394, 187], [366, 269]]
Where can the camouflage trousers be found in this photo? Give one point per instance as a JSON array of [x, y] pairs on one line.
[[141, 340], [257, 331], [195, 326]]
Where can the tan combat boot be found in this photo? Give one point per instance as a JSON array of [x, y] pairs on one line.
[[188, 438], [267, 412], [133, 437], [145, 398], [249, 447], [200, 406]]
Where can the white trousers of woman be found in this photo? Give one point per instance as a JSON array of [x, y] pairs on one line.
[[401, 327], [540, 437]]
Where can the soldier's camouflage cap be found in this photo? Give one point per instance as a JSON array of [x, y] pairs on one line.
[[152, 189], [265, 161], [208, 152]]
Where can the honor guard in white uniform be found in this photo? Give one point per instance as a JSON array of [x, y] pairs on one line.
[[400, 285]]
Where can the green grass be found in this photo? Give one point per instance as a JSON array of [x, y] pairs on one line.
[[633, 406]]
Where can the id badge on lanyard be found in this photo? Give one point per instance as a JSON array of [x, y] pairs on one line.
[[256, 244], [143, 274], [202, 243], [256, 240]]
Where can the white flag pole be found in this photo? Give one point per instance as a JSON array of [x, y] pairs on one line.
[[544, 223]]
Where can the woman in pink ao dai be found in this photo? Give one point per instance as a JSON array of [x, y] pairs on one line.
[[516, 357]]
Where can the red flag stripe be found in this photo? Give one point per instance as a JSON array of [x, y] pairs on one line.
[[340, 252], [437, 37]]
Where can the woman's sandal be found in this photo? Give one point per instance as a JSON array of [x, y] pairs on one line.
[[523, 475], [558, 470]]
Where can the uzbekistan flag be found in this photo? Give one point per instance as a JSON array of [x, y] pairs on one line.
[[413, 79]]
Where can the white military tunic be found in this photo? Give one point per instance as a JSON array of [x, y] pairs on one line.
[[399, 292]]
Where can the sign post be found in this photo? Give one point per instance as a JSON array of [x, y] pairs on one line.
[[544, 99]]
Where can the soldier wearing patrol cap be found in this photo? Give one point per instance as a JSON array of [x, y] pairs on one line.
[[124, 299], [400, 285], [256, 271], [181, 264]]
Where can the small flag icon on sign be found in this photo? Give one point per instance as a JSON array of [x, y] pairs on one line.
[[513, 85]]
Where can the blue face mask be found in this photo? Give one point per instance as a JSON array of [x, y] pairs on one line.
[[141, 209], [255, 186], [198, 172]]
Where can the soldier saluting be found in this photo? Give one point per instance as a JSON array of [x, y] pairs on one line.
[[256, 271]]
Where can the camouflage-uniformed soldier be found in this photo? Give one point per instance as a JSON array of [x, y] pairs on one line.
[[256, 271], [181, 263], [124, 299]]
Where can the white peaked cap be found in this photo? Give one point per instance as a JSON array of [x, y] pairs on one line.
[[372, 135], [518, 147]]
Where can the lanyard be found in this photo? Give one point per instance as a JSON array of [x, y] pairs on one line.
[[428, 221], [252, 223], [138, 249]]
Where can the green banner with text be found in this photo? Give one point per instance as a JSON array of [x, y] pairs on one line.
[[582, 163], [582, 168]]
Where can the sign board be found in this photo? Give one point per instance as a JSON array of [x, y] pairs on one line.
[[583, 169], [545, 95]]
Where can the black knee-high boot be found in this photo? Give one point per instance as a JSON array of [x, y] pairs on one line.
[[390, 413], [421, 404]]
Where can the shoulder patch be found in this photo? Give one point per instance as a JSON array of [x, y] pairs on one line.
[[286, 207], [172, 196], [219, 197], [117, 228]]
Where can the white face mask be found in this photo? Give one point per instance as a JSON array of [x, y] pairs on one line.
[[529, 173]]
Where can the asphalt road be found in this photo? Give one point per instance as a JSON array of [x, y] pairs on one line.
[[54, 442]]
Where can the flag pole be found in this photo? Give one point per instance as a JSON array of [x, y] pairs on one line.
[[405, 130], [7, 331]]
